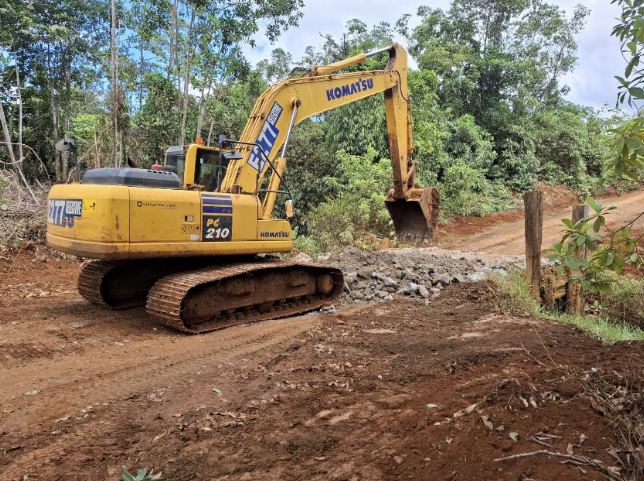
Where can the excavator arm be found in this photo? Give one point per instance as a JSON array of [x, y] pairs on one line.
[[413, 210]]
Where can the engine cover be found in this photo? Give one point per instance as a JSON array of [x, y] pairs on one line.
[[159, 179]]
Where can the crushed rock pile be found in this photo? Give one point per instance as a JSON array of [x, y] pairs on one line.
[[413, 272]]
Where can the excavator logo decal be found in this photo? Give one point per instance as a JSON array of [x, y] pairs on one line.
[[266, 138], [62, 212], [349, 89]]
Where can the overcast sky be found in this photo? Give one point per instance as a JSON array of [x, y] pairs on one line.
[[592, 83]]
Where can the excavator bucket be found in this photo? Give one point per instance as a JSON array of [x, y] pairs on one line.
[[415, 217]]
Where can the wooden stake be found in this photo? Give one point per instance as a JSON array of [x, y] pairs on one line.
[[533, 202], [574, 299]]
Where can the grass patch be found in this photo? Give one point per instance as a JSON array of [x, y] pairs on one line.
[[606, 330], [626, 302], [512, 296]]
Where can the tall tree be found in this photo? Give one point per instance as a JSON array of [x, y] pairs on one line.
[[497, 60], [59, 43], [114, 102]]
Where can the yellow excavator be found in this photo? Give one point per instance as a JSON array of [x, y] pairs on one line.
[[185, 239]]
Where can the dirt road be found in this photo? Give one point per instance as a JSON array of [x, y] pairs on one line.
[[366, 394], [504, 233], [377, 391]]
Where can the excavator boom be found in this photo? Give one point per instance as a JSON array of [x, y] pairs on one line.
[[413, 209]]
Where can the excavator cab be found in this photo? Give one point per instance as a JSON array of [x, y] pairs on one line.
[[201, 165]]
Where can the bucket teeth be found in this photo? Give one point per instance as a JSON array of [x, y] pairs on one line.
[[416, 240]]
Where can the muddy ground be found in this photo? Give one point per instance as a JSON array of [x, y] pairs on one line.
[[367, 393]]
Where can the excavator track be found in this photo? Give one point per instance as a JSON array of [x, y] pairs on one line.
[[216, 297], [125, 284], [90, 279]]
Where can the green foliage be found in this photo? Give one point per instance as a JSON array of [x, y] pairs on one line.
[[615, 249], [607, 253], [466, 191], [497, 61], [501, 64], [157, 123], [512, 294], [228, 108], [311, 170], [625, 304], [306, 244], [627, 150], [568, 146], [630, 32], [61, 51], [462, 154], [600, 328], [358, 127], [278, 67], [357, 215], [487, 107]]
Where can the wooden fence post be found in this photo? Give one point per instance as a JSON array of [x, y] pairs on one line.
[[574, 299], [533, 202]]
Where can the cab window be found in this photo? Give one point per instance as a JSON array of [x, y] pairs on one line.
[[178, 161], [207, 171]]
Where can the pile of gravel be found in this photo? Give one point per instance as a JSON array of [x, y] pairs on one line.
[[413, 272]]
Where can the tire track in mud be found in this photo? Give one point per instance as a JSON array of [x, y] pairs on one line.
[[103, 375]]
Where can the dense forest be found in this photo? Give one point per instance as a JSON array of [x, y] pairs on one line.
[[130, 79]]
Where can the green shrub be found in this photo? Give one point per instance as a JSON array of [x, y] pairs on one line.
[[466, 191], [601, 328], [306, 244], [625, 303], [512, 294], [349, 220], [357, 216]]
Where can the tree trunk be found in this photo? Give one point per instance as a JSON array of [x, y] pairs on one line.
[[67, 113], [121, 159], [212, 124], [141, 70], [186, 82], [173, 39], [177, 63], [200, 111], [97, 161], [114, 97], [12, 155], [54, 117], [21, 154]]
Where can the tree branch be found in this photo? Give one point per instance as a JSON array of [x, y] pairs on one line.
[[568, 458]]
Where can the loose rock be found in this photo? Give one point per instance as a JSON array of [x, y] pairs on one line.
[[411, 272]]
